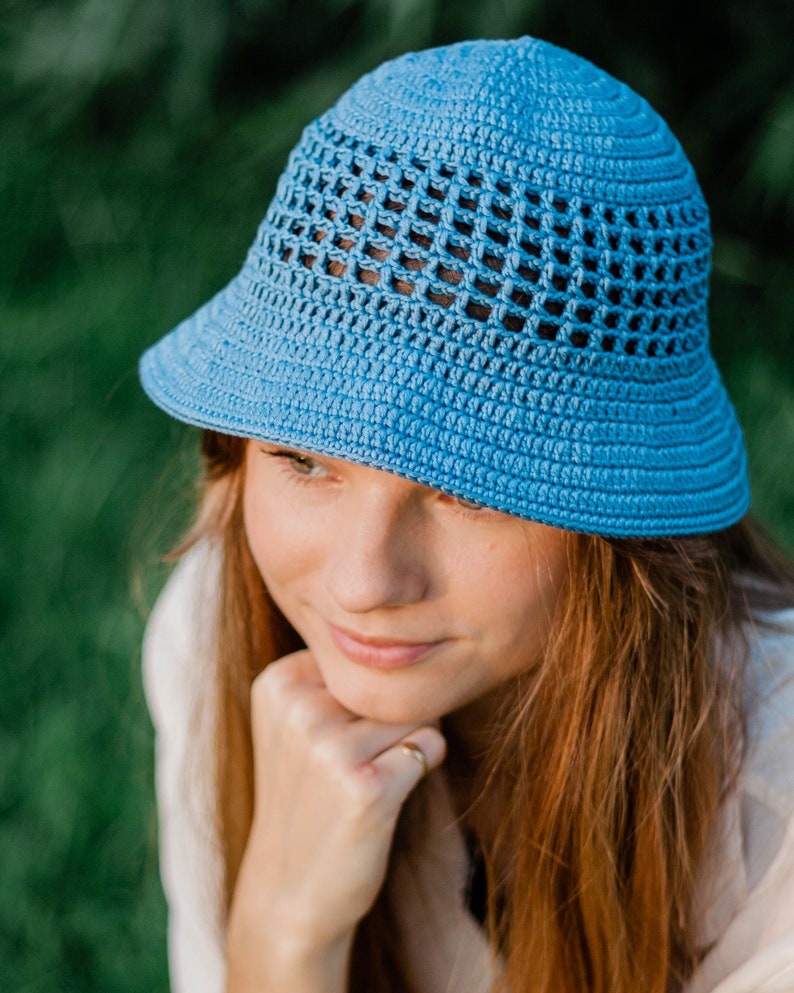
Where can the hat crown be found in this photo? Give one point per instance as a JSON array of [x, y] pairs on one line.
[[527, 108], [501, 196]]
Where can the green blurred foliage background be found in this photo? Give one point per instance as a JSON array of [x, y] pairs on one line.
[[140, 143]]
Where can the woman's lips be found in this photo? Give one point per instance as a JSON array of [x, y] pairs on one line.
[[380, 653]]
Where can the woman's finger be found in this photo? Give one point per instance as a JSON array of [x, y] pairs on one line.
[[362, 740], [406, 762]]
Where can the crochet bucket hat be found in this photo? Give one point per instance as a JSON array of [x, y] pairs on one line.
[[484, 269]]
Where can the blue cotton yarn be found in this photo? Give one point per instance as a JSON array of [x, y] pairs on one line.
[[484, 269]]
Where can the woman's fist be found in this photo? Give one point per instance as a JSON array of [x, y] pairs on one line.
[[328, 788]]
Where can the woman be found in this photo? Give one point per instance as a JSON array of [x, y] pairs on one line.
[[475, 508]]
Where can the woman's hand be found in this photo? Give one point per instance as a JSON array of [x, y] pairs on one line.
[[328, 788]]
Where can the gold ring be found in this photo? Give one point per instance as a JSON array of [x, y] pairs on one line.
[[411, 748]]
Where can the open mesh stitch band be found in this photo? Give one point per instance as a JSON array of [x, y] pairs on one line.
[[484, 269]]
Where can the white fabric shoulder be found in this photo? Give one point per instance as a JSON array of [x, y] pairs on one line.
[[179, 687], [754, 952]]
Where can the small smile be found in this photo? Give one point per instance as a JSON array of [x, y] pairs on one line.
[[380, 653]]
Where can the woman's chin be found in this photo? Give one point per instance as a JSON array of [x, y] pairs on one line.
[[385, 706]]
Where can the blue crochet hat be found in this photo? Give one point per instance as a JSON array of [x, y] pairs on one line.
[[485, 269]]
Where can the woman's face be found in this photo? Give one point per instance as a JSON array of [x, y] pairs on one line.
[[412, 603]]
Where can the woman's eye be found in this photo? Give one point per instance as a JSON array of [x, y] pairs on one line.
[[304, 465], [298, 463], [468, 504]]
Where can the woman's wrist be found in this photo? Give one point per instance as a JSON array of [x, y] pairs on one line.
[[284, 960]]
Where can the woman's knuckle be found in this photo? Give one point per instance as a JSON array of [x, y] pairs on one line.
[[301, 714], [366, 792], [329, 756], [261, 695], [273, 677]]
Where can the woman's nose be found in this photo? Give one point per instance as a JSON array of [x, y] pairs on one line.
[[377, 556]]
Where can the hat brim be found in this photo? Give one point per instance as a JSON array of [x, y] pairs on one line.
[[573, 441]]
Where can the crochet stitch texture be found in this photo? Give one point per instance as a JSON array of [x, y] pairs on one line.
[[484, 269]]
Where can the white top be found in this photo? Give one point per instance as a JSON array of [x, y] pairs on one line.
[[747, 891]]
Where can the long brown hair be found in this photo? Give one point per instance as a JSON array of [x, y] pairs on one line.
[[610, 767]]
